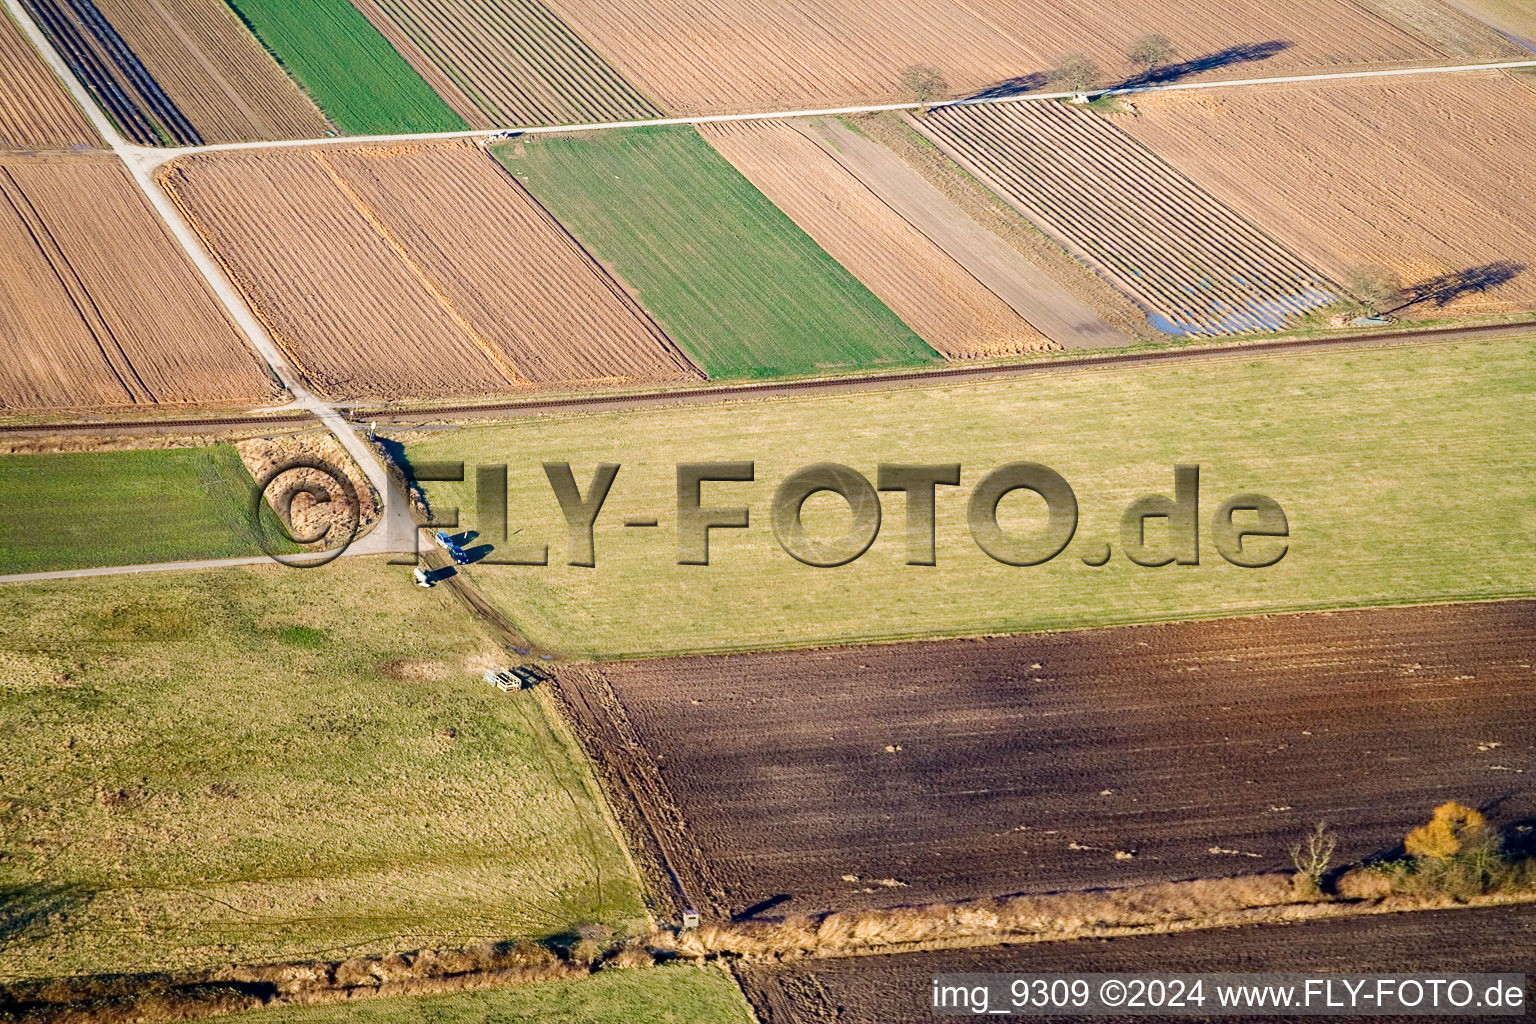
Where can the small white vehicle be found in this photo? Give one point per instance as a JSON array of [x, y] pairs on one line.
[[423, 577]]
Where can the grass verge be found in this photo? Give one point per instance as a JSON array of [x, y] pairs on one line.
[[347, 67], [264, 764], [76, 510], [1404, 474], [731, 278]]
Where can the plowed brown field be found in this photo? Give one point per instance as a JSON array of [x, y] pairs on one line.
[[897, 989], [747, 55], [1431, 178], [214, 70], [416, 271], [1189, 260], [35, 111], [100, 306], [919, 281], [911, 773]]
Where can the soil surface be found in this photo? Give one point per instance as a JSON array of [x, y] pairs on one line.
[[417, 271], [1048, 306], [895, 989], [910, 773]]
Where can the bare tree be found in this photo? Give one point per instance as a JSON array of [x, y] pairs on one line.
[[1077, 73], [1378, 288], [1151, 51], [1311, 858], [924, 84]]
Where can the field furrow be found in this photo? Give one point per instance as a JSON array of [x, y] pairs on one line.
[[919, 281], [517, 61], [1196, 266], [1369, 173], [35, 111], [726, 55], [227, 86], [85, 327], [417, 271]]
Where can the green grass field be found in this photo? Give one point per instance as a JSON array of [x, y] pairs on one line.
[[732, 279], [1405, 474], [76, 510], [681, 994], [347, 67], [264, 764]]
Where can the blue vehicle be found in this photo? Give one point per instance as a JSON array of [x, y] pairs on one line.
[[447, 543]]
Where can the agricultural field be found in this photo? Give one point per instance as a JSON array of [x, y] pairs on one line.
[[87, 328], [1516, 19], [347, 66], [80, 509], [904, 774], [730, 55], [122, 86], [35, 111], [228, 88], [896, 989], [417, 271], [921, 283], [251, 764], [732, 280], [1195, 266], [1363, 172], [1418, 437], [516, 61], [665, 995]]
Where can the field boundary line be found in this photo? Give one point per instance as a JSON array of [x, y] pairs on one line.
[[155, 155], [398, 526]]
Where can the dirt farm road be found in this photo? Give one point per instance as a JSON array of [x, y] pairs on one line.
[[397, 525], [154, 156], [397, 533]]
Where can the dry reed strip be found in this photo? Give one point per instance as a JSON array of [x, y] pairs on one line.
[[1163, 908], [919, 281]]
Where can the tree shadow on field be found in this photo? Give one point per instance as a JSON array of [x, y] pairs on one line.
[[1016, 86], [1446, 288], [1167, 74], [29, 906], [761, 907]]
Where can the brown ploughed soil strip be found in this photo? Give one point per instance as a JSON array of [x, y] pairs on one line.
[[735, 55], [1022, 281], [1431, 178], [920, 282], [878, 776], [35, 111], [87, 327], [418, 271], [214, 70], [897, 989]]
